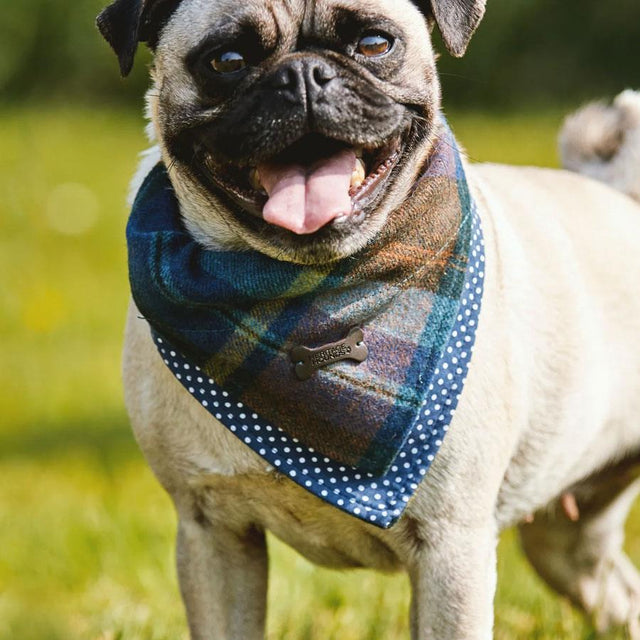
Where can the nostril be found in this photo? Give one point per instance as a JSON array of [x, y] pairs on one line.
[[322, 74], [285, 78]]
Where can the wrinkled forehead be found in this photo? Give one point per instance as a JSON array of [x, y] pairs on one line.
[[280, 20]]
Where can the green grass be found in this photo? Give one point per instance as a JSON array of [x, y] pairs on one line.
[[86, 534]]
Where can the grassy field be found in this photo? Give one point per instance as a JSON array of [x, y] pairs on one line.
[[86, 534]]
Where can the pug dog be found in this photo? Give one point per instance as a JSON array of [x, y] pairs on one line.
[[546, 435]]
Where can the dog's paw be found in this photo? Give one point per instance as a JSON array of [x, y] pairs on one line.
[[611, 595], [578, 551]]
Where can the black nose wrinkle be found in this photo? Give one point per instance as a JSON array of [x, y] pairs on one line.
[[303, 94]]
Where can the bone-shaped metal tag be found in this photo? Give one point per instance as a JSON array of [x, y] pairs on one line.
[[308, 361]]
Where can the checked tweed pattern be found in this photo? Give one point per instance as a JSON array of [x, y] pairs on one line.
[[237, 315]]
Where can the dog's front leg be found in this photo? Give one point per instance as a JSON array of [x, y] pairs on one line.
[[223, 579], [453, 579]]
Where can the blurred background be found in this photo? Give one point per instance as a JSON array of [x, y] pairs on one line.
[[86, 534], [542, 51]]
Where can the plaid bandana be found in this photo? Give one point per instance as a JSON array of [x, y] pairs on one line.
[[227, 324]]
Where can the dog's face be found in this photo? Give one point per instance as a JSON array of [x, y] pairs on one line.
[[293, 127]]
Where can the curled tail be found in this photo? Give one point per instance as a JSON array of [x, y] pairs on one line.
[[603, 141]]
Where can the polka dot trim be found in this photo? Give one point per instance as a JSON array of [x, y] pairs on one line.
[[378, 500]]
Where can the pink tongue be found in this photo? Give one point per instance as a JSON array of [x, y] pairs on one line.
[[304, 200]]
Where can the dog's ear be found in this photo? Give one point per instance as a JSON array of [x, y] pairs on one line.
[[457, 21], [125, 23]]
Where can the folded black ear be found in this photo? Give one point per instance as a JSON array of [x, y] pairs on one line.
[[119, 24], [125, 23], [457, 21]]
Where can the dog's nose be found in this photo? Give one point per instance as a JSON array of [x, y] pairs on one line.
[[304, 79]]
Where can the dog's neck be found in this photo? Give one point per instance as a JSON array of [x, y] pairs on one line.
[[242, 318]]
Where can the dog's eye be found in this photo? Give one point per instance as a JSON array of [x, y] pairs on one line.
[[374, 44], [228, 62]]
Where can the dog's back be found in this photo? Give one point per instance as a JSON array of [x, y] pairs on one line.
[[565, 252]]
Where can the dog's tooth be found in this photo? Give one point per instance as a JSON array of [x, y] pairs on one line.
[[255, 180], [359, 151], [359, 174]]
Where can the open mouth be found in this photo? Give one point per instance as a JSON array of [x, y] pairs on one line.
[[317, 182]]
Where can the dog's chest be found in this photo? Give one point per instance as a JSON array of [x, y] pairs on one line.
[[361, 428], [316, 530]]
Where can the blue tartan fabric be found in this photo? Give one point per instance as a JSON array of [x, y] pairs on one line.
[[378, 499], [237, 315]]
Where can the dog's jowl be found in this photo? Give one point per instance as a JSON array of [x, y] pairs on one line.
[[344, 333]]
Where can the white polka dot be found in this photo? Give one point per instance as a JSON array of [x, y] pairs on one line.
[[437, 407]]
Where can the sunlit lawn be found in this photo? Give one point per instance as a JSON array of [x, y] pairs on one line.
[[86, 534]]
